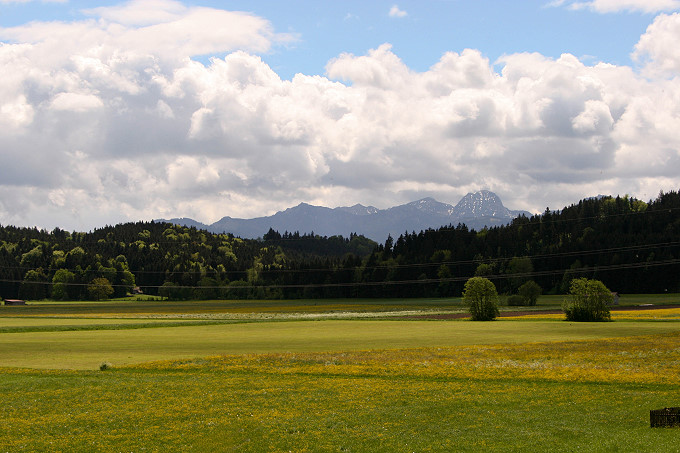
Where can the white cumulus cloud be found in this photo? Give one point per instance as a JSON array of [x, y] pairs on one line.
[[141, 12], [658, 49], [76, 102], [29, 1], [614, 6], [396, 12], [98, 130]]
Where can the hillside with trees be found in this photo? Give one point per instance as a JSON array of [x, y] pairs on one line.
[[630, 245]]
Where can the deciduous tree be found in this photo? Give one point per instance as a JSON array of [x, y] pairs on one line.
[[100, 288], [480, 295], [61, 279], [589, 300], [529, 292]]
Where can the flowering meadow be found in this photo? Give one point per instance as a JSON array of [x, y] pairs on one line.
[[669, 314], [588, 395]]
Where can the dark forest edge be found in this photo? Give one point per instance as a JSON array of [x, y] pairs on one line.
[[630, 245]]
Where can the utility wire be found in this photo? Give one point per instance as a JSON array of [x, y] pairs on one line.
[[270, 270], [577, 271]]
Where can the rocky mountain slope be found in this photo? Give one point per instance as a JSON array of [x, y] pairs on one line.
[[476, 210]]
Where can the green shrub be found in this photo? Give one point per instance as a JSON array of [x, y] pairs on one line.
[[529, 292], [480, 295], [100, 288], [589, 300], [515, 300]]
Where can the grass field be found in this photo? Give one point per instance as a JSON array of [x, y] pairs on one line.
[[87, 349], [332, 385], [162, 307]]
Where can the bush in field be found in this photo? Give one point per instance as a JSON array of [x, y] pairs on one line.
[[480, 295], [589, 300], [529, 292], [100, 288], [515, 300]]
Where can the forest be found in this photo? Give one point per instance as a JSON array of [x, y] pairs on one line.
[[631, 245]]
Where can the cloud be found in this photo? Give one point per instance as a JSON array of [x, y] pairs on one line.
[[76, 102], [396, 12], [141, 12], [158, 28], [29, 1], [614, 6], [97, 130], [657, 49]]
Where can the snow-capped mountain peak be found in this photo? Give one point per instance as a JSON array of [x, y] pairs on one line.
[[430, 206], [476, 210], [481, 204], [359, 209]]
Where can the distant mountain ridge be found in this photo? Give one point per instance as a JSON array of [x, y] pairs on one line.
[[476, 210]]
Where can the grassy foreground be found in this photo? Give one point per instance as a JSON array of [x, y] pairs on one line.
[[387, 385], [567, 396], [87, 349]]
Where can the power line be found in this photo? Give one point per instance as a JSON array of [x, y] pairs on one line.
[[268, 270], [576, 271], [378, 267]]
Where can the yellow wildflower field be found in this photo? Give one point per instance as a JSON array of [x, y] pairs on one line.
[[657, 313], [635, 314], [652, 358], [592, 395]]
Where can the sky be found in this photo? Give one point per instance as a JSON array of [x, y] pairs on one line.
[[117, 111]]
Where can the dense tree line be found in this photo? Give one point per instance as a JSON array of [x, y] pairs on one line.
[[161, 258], [630, 245]]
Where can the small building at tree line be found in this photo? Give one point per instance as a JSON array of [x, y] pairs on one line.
[[14, 302]]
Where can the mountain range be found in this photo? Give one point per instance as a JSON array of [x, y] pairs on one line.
[[475, 210]]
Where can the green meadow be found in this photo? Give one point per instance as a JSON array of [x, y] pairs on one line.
[[290, 383], [87, 349]]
